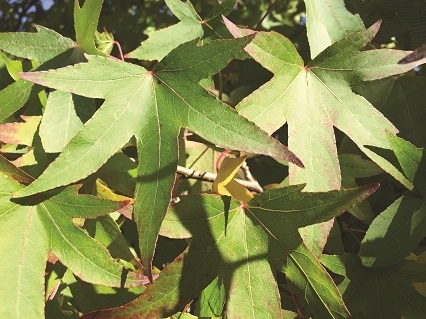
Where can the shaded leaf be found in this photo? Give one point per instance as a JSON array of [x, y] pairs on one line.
[[152, 106], [30, 228], [402, 101], [8, 169], [394, 294], [353, 167], [398, 229], [244, 247], [63, 117]]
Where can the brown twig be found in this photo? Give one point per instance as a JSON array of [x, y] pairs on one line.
[[210, 177], [270, 8]]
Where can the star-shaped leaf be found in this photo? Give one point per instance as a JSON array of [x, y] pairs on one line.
[[244, 247], [31, 227], [314, 98], [394, 294], [152, 106]]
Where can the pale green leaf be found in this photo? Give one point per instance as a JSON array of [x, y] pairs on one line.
[[41, 46], [63, 118], [152, 106], [328, 21], [162, 41], [315, 98], [85, 23]]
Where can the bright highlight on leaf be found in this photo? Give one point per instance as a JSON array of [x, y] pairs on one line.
[[152, 106], [314, 99], [225, 184]]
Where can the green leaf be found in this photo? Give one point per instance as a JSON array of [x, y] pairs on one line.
[[20, 132], [8, 169], [104, 41], [401, 100], [394, 233], [412, 161], [315, 98], [397, 230], [328, 22], [161, 42], [48, 48], [212, 300], [245, 245], [15, 96], [394, 295], [85, 23], [32, 227], [63, 117], [190, 27], [353, 166], [152, 106], [41, 46]]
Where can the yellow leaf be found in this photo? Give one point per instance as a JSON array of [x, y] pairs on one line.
[[224, 183]]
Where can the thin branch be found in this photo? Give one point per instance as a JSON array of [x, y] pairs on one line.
[[210, 177], [270, 8], [246, 170]]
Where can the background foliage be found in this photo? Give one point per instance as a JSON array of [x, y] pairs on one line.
[[322, 78]]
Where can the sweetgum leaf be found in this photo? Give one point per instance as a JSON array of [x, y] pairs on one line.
[[327, 22], [244, 246], [161, 42], [398, 229], [48, 48], [32, 227], [190, 27], [401, 100], [85, 23], [152, 106], [63, 117], [394, 296], [41, 46], [8, 169], [315, 98], [20, 132], [353, 166]]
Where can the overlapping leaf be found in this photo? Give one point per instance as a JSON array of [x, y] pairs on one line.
[[244, 246], [315, 98], [32, 227], [153, 106], [394, 295], [399, 228], [85, 23], [42, 46], [327, 22], [190, 27]]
